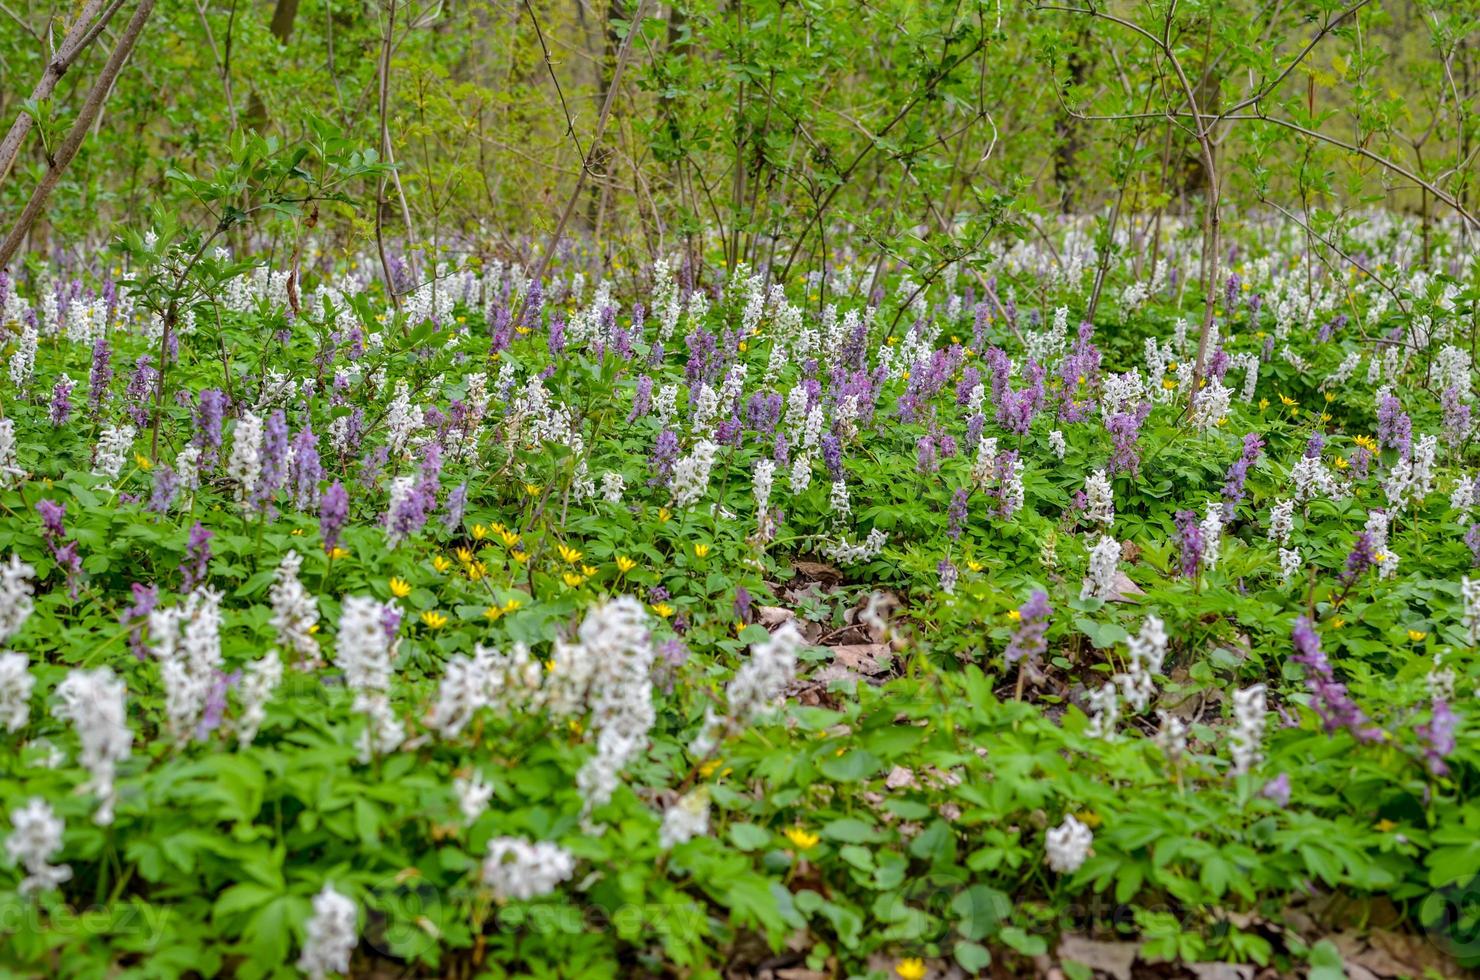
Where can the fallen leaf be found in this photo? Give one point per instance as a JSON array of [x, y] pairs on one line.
[[1116, 959], [773, 616], [818, 570], [866, 658], [1220, 971]]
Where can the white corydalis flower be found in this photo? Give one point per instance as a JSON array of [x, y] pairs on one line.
[[1212, 533], [1281, 521], [754, 688], [1148, 651], [506, 682], [691, 473], [332, 935], [1171, 735], [1469, 590], [616, 640], [244, 466], [518, 870], [1099, 501], [10, 471], [258, 683], [1104, 567], [473, 795], [1248, 732], [35, 837], [295, 615], [1104, 705], [613, 485], [1291, 563], [363, 654], [1067, 846], [112, 452], [16, 685], [187, 643], [1056, 443], [16, 590], [686, 819], [94, 701], [845, 552]]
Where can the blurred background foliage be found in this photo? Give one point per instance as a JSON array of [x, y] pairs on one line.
[[768, 132]]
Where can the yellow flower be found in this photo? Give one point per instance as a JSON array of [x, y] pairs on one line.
[[1089, 818], [400, 588], [664, 514], [520, 556], [1366, 442], [521, 331], [570, 555], [1417, 635], [476, 571], [701, 550], [663, 609], [1338, 623], [742, 347], [1263, 404], [573, 580], [434, 619], [511, 605], [1015, 615], [492, 613], [441, 562], [337, 553], [463, 555], [532, 489], [625, 564], [1341, 463], [1287, 401], [1386, 826], [709, 767], [1168, 383], [297, 532], [973, 564], [509, 538], [1330, 397], [143, 461], [910, 968], [804, 840], [588, 570], [479, 532]]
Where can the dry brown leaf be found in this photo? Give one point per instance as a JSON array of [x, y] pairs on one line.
[[818, 570], [773, 616], [866, 658], [1220, 971], [1113, 958]]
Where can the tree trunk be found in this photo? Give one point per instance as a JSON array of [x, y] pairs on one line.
[[67, 151]]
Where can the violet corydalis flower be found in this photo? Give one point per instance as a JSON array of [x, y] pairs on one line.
[[195, 567], [1329, 697], [1028, 643], [1438, 736], [333, 513]]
